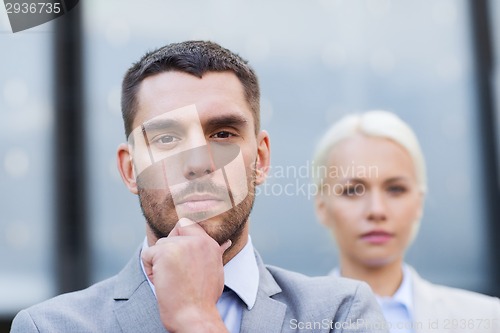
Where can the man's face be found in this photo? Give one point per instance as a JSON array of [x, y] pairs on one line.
[[194, 150]]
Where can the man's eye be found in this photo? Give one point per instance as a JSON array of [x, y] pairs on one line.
[[223, 135], [166, 139]]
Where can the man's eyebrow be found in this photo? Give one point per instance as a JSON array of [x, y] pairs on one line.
[[225, 120], [161, 124]]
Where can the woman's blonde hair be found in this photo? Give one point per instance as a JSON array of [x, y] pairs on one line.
[[382, 124]]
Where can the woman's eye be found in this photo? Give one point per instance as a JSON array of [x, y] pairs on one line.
[[349, 191], [396, 189], [223, 135]]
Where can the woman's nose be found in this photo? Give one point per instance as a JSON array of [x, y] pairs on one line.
[[377, 211]]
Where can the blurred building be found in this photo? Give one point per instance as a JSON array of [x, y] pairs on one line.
[[430, 61]]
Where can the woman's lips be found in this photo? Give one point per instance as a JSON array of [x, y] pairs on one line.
[[377, 237]]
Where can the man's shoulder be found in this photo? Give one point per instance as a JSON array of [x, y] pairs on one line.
[[287, 278], [92, 302], [326, 290], [327, 302], [88, 310], [94, 293]]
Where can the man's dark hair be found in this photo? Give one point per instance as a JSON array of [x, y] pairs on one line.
[[192, 57]]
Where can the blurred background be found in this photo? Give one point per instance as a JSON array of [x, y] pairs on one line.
[[66, 220]]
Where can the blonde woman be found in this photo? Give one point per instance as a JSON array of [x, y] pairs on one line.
[[372, 176]]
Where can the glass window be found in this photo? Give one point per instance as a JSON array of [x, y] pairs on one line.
[[316, 62], [26, 179]]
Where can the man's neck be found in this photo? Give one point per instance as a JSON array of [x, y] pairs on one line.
[[237, 246]]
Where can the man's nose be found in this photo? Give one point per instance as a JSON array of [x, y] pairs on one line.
[[198, 162]]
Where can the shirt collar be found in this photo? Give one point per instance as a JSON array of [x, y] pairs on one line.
[[404, 293], [241, 274]]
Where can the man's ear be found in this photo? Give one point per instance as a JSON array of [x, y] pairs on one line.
[[263, 157], [126, 167]]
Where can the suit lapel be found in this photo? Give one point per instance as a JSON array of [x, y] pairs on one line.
[[135, 303], [136, 309], [267, 315], [427, 309]]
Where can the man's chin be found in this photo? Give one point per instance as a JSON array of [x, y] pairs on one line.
[[220, 230], [199, 217], [214, 227]]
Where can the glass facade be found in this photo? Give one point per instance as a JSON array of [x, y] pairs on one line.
[[316, 61], [26, 160]]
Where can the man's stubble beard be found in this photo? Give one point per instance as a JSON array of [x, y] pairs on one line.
[[159, 211]]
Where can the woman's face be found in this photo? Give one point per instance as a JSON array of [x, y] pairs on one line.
[[371, 200]]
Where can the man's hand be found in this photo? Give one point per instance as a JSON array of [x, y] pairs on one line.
[[186, 269]]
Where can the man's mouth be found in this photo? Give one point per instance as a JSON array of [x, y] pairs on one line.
[[198, 202]]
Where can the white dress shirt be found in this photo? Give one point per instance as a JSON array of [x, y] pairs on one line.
[[397, 309], [241, 275]]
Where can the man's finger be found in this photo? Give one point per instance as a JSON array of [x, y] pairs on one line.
[[227, 244], [183, 222], [147, 260], [186, 227]]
